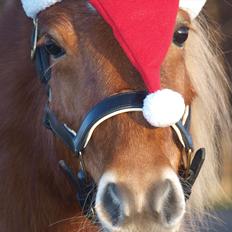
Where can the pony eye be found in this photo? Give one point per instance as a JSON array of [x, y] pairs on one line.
[[180, 36], [54, 49]]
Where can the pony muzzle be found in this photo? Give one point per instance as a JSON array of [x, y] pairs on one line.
[[118, 205]]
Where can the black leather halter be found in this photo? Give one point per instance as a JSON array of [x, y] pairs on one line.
[[109, 107], [116, 104]]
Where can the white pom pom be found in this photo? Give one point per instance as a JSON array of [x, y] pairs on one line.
[[163, 108]]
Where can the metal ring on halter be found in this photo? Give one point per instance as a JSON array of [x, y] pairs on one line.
[[92, 214]]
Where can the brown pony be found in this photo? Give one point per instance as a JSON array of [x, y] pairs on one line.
[[141, 161]]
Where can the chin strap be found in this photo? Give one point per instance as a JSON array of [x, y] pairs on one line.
[[85, 186]]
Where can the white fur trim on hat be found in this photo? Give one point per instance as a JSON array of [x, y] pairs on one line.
[[193, 7], [163, 108], [33, 7]]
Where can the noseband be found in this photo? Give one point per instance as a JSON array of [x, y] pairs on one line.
[[111, 106]]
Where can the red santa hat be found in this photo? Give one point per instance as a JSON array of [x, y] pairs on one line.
[[144, 30]]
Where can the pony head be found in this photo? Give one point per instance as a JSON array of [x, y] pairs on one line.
[[127, 183]]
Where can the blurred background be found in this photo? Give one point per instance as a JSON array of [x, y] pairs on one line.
[[219, 13]]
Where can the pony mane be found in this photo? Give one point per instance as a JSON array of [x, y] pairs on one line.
[[211, 119]]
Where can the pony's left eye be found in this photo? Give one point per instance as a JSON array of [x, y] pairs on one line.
[[180, 36], [54, 49]]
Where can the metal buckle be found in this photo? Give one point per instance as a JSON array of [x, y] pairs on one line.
[[186, 162], [191, 173], [34, 38]]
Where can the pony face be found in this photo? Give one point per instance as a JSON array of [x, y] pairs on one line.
[[136, 166]]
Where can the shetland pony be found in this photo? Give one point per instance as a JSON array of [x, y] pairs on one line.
[[35, 194]]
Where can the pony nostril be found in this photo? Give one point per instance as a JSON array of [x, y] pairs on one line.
[[112, 204], [168, 203]]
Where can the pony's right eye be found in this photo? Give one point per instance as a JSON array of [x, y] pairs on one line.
[[180, 36], [53, 48]]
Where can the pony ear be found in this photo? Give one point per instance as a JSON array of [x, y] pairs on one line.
[[193, 7]]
